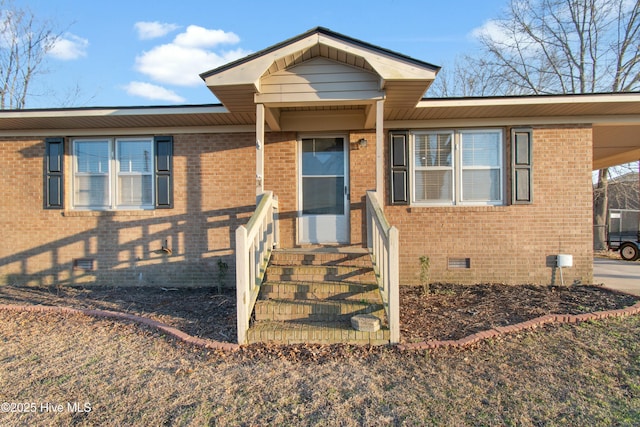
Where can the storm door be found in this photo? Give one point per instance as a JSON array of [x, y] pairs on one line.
[[324, 190]]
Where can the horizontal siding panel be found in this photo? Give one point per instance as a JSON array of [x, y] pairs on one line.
[[320, 79], [320, 87], [276, 98]]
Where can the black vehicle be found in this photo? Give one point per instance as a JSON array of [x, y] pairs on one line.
[[624, 233]]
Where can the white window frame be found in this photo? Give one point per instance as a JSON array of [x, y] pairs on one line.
[[457, 198], [113, 173], [415, 168]]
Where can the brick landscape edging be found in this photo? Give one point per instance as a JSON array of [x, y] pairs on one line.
[[424, 345], [169, 330], [518, 327]]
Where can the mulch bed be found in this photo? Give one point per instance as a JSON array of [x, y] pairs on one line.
[[447, 312]]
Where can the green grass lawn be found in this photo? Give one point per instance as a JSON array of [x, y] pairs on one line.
[[579, 375]]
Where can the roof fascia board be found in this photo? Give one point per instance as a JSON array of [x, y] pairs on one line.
[[514, 121], [616, 159], [317, 32], [128, 131], [385, 64], [251, 70], [110, 112], [530, 100]]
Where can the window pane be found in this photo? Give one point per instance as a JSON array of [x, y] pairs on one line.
[[134, 156], [323, 196], [433, 149], [134, 190], [91, 191], [92, 156], [323, 156], [434, 186], [481, 185], [481, 149]]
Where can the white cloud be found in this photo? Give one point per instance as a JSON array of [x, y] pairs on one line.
[[491, 30], [196, 36], [180, 62], [69, 47], [150, 91], [151, 30]]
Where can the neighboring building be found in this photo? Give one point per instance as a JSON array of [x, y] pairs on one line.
[[623, 191], [490, 189]]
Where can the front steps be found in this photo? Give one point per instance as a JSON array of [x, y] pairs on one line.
[[310, 295]]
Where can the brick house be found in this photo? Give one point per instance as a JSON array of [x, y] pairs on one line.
[[490, 189]]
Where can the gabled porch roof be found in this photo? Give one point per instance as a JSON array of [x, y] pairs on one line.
[[320, 70]]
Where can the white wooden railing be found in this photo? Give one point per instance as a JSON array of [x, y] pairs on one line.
[[382, 241], [254, 243]]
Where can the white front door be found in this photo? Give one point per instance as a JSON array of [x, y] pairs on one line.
[[324, 190]]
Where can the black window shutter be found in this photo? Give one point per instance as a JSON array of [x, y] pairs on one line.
[[399, 174], [521, 166], [54, 173], [164, 169]]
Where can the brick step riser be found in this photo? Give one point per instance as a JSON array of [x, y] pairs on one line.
[[321, 287], [318, 336], [371, 296], [319, 269], [359, 263], [275, 276], [282, 314]]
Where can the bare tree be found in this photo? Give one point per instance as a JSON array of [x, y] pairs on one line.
[[469, 77], [24, 43], [565, 46], [556, 47]]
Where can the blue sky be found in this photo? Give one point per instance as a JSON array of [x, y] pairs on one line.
[[139, 52]]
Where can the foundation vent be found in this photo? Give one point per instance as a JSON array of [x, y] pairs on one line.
[[84, 264], [459, 263]]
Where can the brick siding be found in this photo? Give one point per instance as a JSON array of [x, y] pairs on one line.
[[212, 197], [513, 244], [214, 192]]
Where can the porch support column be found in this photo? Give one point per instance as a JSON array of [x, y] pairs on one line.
[[380, 151], [259, 149]]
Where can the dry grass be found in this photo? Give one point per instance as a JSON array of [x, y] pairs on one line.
[[586, 374]]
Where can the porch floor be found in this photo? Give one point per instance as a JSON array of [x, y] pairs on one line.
[[310, 294]]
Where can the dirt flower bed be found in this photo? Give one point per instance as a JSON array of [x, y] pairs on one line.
[[200, 312], [446, 312], [455, 311]]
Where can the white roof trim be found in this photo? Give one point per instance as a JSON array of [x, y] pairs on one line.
[[74, 132], [104, 112], [515, 121], [530, 100]]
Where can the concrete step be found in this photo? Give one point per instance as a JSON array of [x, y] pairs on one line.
[[318, 273], [319, 291], [315, 310], [314, 333]]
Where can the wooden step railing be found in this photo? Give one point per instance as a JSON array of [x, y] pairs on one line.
[[254, 243], [382, 241]]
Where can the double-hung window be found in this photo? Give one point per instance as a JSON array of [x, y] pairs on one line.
[[115, 173], [458, 167]]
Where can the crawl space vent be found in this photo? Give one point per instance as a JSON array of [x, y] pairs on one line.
[[459, 262], [85, 264]]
